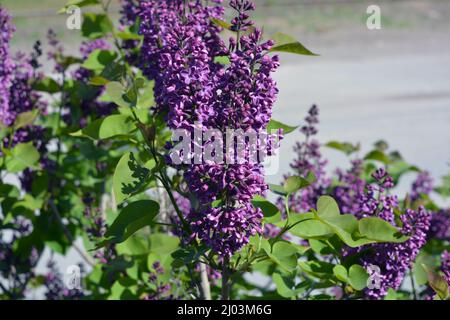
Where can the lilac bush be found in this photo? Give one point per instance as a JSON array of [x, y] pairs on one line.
[[91, 145]]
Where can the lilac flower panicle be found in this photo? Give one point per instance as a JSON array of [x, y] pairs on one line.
[[423, 185], [6, 65], [440, 225], [179, 50]]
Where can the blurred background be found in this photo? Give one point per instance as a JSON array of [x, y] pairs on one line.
[[391, 84]]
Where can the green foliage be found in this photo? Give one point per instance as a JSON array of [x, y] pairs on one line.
[[22, 156], [132, 218], [286, 43]]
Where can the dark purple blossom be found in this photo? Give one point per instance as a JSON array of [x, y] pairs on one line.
[[440, 225], [6, 66], [423, 185]]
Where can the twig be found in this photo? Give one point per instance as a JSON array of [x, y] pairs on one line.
[[205, 286], [225, 280]]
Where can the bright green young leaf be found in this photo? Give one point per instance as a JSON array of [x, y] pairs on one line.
[[163, 244], [295, 183], [25, 118], [380, 230], [286, 43], [340, 272], [129, 177], [284, 254], [345, 147], [305, 226], [277, 189], [116, 93], [22, 156], [99, 59], [221, 23], [105, 128], [285, 285], [357, 277], [327, 207], [274, 125]]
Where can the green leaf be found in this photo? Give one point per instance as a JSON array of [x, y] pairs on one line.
[[380, 230], [96, 25], [438, 283], [221, 23], [377, 155], [274, 125], [98, 81], [305, 226], [345, 147], [284, 254], [277, 189], [105, 128], [128, 35], [24, 155], [271, 212], [286, 43], [295, 183], [132, 218], [340, 272], [357, 277], [285, 285], [25, 118], [327, 207], [163, 244], [99, 59], [47, 84], [224, 60], [116, 92], [129, 177], [345, 226], [319, 269]]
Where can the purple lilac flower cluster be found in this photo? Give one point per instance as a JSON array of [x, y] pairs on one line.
[[423, 185], [96, 229], [355, 196], [13, 265], [6, 65], [440, 220], [180, 46], [159, 289], [440, 225], [309, 159]]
